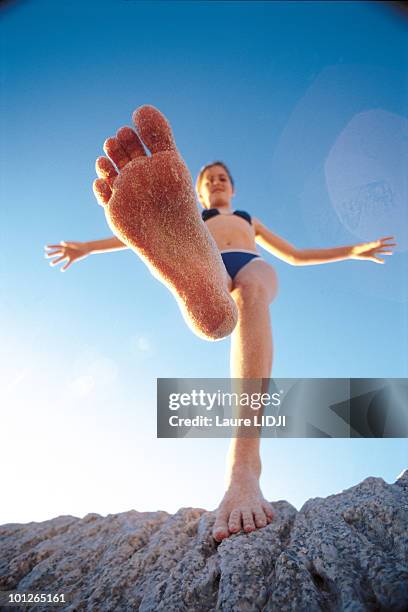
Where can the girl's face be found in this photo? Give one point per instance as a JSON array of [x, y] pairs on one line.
[[216, 189]]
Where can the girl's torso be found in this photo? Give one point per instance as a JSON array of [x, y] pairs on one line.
[[231, 231]]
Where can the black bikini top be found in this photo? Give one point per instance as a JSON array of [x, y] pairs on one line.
[[208, 213]]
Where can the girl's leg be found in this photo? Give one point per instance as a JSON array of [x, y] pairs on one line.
[[243, 505]]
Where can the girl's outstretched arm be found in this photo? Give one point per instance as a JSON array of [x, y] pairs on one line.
[[74, 251], [274, 244], [307, 257]]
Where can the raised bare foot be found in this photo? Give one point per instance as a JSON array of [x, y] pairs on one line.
[[243, 508], [150, 205]]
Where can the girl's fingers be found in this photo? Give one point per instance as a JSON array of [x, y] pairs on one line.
[[55, 261], [53, 254], [378, 243], [49, 247], [383, 250]]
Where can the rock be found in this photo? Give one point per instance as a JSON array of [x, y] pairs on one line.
[[346, 552]]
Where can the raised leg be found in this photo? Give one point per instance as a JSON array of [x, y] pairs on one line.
[[150, 205], [243, 506]]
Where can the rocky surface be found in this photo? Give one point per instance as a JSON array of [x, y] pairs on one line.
[[346, 552]]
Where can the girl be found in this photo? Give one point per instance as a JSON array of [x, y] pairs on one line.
[[214, 270]]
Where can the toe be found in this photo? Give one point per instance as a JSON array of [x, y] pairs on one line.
[[131, 142], [154, 129], [267, 508], [106, 170], [260, 518], [116, 152], [220, 533], [234, 523], [220, 530], [102, 191], [248, 521]]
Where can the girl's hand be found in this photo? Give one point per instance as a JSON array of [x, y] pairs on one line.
[[70, 251], [370, 250]]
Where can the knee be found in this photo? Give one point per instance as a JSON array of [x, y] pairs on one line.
[[250, 292]]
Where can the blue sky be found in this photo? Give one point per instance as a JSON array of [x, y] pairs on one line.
[[307, 103]]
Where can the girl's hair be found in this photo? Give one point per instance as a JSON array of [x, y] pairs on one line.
[[204, 168]]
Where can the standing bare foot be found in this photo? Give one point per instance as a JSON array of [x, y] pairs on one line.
[[243, 508], [150, 205]]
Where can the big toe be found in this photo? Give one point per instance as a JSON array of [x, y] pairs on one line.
[[220, 530], [154, 129]]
